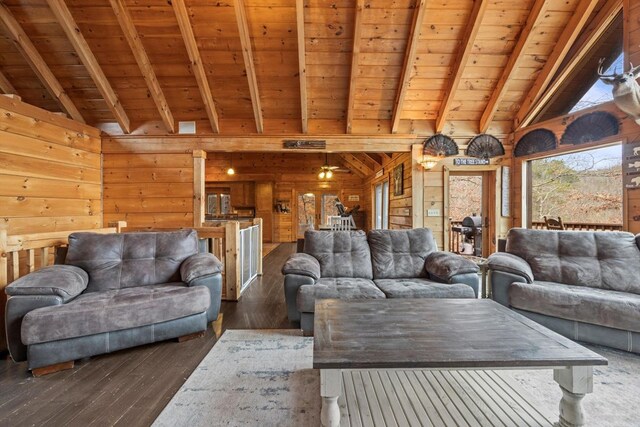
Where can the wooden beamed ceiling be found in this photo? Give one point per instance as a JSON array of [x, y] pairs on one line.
[[294, 67]]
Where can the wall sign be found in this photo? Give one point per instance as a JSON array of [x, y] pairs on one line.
[[631, 165], [353, 198], [469, 161], [379, 173]]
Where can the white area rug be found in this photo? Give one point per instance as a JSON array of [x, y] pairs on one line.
[[265, 378]]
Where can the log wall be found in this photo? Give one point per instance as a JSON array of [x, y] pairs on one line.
[[50, 176], [632, 54], [149, 190], [400, 207]]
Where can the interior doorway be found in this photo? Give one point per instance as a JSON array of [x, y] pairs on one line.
[[470, 211], [313, 210]]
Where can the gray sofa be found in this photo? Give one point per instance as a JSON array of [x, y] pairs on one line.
[[113, 291], [379, 264], [584, 285]]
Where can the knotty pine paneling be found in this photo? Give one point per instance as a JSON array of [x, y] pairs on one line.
[[400, 207], [149, 190], [50, 177]]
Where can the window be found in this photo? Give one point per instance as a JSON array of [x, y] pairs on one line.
[[381, 205], [583, 188]]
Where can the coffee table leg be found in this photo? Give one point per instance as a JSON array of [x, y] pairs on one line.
[[574, 382], [330, 389]]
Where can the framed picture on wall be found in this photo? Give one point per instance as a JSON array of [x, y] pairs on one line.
[[398, 180]]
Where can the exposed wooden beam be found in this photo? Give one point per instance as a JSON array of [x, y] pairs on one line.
[[354, 63], [140, 54], [302, 65], [245, 41], [588, 38], [189, 39], [409, 60], [5, 85], [367, 160], [501, 88], [386, 157], [576, 23], [356, 164], [475, 19], [37, 64], [81, 47], [186, 144], [374, 158]]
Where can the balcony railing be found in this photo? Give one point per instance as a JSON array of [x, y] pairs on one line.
[[580, 226], [456, 238]]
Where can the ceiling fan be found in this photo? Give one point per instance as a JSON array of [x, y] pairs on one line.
[[326, 170]]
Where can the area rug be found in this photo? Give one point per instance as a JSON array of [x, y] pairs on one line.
[[265, 378]]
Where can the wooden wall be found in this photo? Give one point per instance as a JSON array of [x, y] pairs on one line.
[[400, 207], [50, 176], [632, 54], [287, 174], [149, 190]]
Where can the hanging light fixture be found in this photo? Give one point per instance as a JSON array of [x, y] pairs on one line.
[[325, 170], [231, 171]]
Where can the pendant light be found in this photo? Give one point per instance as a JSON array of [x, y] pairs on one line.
[[230, 171], [325, 170]]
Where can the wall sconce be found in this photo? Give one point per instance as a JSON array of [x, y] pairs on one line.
[[430, 162], [231, 171]]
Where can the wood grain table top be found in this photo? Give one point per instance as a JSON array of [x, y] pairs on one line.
[[436, 333]]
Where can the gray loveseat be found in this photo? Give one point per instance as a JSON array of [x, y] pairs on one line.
[[113, 291], [379, 264], [584, 285]]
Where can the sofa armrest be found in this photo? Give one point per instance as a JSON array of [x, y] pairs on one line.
[[446, 265], [292, 283], [199, 265], [63, 281], [302, 265], [509, 263]]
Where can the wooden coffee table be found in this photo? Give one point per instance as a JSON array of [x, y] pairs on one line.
[[414, 334]]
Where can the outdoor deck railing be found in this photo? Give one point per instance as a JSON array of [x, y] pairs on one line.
[[456, 238], [580, 226]]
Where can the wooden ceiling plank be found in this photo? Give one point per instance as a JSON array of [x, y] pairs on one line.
[[358, 165], [354, 62], [245, 41], [5, 85], [37, 63], [351, 166], [464, 51], [409, 60], [189, 39], [501, 88], [575, 25], [375, 158], [587, 40], [81, 47], [140, 54], [302, 65]]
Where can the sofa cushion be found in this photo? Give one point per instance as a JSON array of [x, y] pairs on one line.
[[423, 288], [605, 259], [116, 261], [620, 310], [340, 288], [340, 253], [400, 253], [113, 310]]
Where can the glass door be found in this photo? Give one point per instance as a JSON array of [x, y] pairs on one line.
[[328, 207], [306, 213], [381, 205]]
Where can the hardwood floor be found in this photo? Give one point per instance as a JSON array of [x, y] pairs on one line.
[[131, 387]]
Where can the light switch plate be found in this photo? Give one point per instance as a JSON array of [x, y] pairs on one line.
[[433, 212]]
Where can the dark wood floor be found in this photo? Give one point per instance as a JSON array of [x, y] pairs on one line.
[[131, 387]]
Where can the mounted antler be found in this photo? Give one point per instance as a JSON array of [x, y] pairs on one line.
[[609, 77], [625, 90]]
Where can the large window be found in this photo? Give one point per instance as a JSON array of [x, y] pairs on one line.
[[381, 205], [583, 187]]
